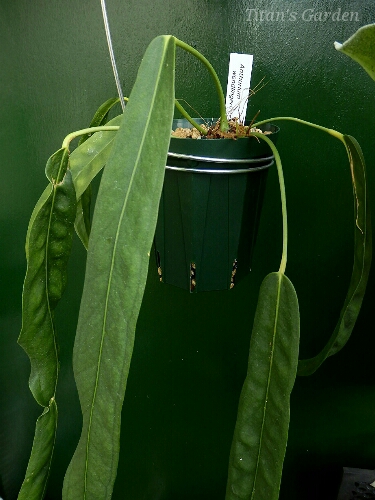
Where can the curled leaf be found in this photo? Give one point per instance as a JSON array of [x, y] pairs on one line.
[[49, 242], [361, 264], [48, 246]]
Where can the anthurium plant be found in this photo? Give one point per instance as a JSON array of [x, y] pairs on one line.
[[133, 148]]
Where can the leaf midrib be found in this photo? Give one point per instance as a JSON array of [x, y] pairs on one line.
[[268, 385], [54, 187], [110, 281], [53, 445]]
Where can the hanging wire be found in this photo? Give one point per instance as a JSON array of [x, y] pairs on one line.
[[112, 55]]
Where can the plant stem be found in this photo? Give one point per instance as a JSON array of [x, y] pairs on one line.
[[283, 198], [186, 115], [223, 114], [91, 130], [330, 131]]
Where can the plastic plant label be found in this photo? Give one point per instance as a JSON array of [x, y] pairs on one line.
[[238, 87]]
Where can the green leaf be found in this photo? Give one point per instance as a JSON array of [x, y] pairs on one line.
[[49, 241], [261, 431], [48, 246], [83, 223], [88, 159], [361, 48], [85, 163], [117, 264], [361, 265], [39, 205], [35, 482]]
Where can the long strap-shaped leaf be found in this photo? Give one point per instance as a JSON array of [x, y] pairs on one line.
[[361, 266], [261, 431], [117, 263], [48, 246]]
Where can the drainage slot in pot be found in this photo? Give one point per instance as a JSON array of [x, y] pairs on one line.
[[193, 281], [234, 272], [160, 273]]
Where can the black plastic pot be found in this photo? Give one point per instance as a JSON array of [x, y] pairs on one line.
[[210, 209]]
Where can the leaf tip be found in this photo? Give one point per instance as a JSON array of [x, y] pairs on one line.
[[338, 45]]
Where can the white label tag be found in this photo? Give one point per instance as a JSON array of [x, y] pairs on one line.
[[238, 87]]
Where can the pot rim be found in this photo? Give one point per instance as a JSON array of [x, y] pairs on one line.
[[224, 171], [181, 156]]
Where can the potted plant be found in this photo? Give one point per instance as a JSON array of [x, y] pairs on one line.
[[134, 148], [210, 207]]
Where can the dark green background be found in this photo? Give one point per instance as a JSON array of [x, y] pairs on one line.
[[191, 350]]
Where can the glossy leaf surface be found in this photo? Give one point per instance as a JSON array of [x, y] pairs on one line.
[[49, 241], [48, 246], [35, 482], [361, 48], [117, 263], [361, 265], [261, 430]]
